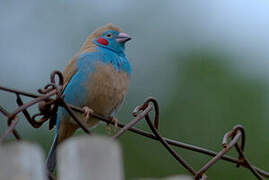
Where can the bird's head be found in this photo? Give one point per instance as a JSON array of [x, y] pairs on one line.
[[110, 37]]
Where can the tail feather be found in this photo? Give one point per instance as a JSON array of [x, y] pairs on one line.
[[51, 160], [65, 131]]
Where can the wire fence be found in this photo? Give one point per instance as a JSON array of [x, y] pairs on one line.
[[51, 97]]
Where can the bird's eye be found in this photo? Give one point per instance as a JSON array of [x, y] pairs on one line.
[[109, 35]]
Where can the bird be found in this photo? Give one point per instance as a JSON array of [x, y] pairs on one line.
[[96, 79]]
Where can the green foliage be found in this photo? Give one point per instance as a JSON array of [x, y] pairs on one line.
[[210, 98]]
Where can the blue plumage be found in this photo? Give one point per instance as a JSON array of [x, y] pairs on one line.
[[97, 77]]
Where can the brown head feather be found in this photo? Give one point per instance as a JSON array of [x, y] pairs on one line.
[[88, 45]]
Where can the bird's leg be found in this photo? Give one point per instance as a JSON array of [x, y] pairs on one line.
[[115, 121], [87, 113]]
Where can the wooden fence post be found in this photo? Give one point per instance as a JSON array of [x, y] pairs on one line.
[[89, 158], [21, 161], [178, 177]]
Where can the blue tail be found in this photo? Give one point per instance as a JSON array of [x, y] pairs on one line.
[[66, 131], [51, 160]]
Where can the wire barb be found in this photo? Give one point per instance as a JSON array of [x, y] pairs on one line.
[[51, 97]]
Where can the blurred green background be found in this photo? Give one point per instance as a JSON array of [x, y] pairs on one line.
[[205, 61]]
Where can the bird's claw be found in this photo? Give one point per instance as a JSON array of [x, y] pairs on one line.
[[87, 112], [115, 121]]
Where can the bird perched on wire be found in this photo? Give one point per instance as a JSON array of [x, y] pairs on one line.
[[96, 79]]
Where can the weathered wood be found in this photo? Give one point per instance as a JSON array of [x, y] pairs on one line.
[[178, 177], [89, 158], [21, 161]]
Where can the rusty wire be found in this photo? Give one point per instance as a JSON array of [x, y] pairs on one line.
[[50, 98]]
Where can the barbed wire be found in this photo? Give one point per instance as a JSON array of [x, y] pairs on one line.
[[51, 97]]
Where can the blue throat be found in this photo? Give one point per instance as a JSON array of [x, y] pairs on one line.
[[105, 55]]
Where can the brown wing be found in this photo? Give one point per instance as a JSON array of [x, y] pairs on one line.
[[68, 73], [70, 70]]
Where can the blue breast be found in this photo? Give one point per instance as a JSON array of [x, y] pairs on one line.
[[76, 92]]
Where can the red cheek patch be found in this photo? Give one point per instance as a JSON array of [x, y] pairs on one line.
[[102, 41]]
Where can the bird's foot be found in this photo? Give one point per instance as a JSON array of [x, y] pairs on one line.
[[87, 113], [115, 121]]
